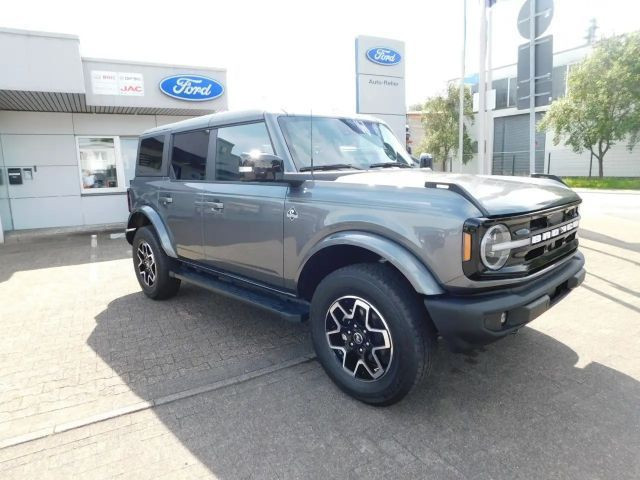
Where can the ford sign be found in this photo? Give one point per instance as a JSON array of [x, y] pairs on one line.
[[193, 88], [383, 56]]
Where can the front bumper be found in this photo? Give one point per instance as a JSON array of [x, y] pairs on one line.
[[467, 321]]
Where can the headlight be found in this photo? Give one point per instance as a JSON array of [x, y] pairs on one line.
[[495, 247]]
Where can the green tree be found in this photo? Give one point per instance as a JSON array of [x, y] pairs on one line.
[[602, 105], [440, 122]]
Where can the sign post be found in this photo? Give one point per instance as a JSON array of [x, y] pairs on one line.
[[535, 65]]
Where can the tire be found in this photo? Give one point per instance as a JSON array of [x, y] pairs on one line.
[[153, 276], [373, 297]]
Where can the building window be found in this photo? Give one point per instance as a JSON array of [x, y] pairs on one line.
[[501, 87], [513, 93], [100, 165], [559, 81]]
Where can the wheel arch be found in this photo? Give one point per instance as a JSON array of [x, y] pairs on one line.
[[144, 216], [345, 248]]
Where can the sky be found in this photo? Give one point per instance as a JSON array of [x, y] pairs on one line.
[[299, 55]]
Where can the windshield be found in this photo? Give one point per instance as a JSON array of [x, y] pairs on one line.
[[346, 141]]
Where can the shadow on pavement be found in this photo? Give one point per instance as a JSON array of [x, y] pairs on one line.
[[521, 408], [606, 239], [61, 251]]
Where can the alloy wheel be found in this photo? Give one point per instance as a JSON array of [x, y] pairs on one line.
[[359, 337], [146, 264]]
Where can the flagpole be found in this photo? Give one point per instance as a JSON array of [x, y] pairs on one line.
[[461, 106]]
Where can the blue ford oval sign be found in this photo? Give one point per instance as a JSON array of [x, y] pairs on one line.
[[383, 56], [193, 88]]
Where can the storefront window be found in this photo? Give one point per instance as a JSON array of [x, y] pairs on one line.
[[100, 164]]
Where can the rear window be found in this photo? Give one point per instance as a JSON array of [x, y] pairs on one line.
[[150, 155], [189, 155]]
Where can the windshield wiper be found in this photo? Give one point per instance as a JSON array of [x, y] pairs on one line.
[[334, 166], [390, 164]]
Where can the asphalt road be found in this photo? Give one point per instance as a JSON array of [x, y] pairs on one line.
[[558, 400]]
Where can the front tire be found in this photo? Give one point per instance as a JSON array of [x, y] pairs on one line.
[[371, 332], [151, 265]]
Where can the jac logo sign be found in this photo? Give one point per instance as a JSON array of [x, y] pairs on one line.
[[192, 88], [383, 56], [131, 90]]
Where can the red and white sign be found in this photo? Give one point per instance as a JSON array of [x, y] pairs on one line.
[[117, 83]]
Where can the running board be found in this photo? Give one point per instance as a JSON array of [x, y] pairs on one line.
[[293, 310]]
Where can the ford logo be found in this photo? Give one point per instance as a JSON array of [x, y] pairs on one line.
[[384, 56], [193, 88]]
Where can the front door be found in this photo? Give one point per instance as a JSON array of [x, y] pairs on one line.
[[243, 218], [180, 197]]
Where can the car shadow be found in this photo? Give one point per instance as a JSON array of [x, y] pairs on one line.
[[608, 240], [520, 408]]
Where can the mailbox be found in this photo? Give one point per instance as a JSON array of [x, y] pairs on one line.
[[15, 176]]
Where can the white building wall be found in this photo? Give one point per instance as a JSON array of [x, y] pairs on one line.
[[46, 142], [618, 161]]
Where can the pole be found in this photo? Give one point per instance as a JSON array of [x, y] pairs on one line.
[[590, 164], [549, 163], [532, 86], [489, 114], [513, 165], [462, 66], [482, 88]]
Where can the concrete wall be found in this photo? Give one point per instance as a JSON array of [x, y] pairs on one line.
[[46, 143], [38, 61]]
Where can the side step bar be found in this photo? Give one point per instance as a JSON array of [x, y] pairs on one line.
[[293, 310]]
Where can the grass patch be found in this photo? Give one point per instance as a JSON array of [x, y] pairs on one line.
[[614, 183]]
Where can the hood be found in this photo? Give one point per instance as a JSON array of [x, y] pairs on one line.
[[498, 195]]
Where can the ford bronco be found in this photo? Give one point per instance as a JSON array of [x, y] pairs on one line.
[[327, 218]]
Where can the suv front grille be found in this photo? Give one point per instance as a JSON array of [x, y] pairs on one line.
[[544, 238]]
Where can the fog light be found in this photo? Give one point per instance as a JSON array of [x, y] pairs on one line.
[[503, 318]]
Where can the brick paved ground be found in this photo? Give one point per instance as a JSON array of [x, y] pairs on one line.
[[79, 338], [559, 400]]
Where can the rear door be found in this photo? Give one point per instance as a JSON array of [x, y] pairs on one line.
[[243, 218], [180, 197]]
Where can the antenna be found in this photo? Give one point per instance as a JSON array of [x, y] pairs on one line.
[[311, 141]]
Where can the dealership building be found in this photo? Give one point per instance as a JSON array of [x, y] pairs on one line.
[[69, 126]]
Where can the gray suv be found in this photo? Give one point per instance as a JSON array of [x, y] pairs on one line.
[[327, 218]]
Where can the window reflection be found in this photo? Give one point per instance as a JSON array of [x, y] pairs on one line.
[[98, 162]]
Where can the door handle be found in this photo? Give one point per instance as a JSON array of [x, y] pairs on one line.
[[215, 205], [166, 199]]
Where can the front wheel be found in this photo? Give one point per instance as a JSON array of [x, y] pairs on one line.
[[371, 332]]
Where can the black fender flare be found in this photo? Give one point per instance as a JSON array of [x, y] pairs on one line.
[[156, 221], [406, 262]]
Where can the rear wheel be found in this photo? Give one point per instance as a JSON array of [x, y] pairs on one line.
[[152, 266], [371, 332]]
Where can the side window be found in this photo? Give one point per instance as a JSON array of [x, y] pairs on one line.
[[235, 147], [189, 155], [150, 155]]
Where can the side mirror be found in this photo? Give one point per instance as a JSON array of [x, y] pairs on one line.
[[263, 167], [426, 161]]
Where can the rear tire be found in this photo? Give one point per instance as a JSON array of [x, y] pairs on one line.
[[152, 266], [371, 332]]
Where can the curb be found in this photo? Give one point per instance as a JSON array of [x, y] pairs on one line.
[[604, 190], [145, 405]]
